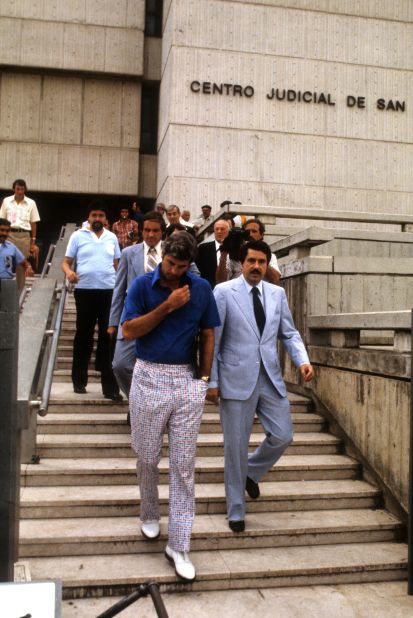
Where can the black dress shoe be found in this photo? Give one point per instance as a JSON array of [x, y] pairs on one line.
[[113, 396], [253, 489], [237, 525], [80, 390]]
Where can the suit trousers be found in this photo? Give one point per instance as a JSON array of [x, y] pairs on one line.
[[166, 398], [123, 364], [93, 306], [237, 419]]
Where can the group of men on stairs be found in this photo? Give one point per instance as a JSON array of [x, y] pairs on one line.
[[166, 311]]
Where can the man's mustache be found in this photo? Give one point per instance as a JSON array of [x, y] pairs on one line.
[[255, 272]]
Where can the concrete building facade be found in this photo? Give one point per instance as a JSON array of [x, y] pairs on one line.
[[303, 103]]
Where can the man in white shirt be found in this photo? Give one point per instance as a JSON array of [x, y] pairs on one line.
[[173, 214], [23, 215], [206, 217], [96, 253]]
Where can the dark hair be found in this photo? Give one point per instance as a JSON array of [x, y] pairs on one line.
[[97, 204], [206, 206], [154, 215], [256, 245], [174, 227], [5, 222], [181, 246], [19, 182], [260, 224]]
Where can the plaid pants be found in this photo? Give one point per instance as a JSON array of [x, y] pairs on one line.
[[167, 398]]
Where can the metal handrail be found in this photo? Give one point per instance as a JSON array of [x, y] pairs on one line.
[[55, 332], [47, 261], [143, 590]]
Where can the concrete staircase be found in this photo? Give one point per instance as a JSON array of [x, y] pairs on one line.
[[317, 520]]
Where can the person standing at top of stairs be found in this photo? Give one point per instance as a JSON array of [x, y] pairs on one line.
[[96, 253], [165, 311]]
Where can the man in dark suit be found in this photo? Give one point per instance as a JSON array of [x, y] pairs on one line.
[[209, 254]]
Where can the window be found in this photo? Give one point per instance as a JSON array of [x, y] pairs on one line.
[[153, 18], [149, 118]]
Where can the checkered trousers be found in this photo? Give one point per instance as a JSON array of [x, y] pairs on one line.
[[166, 398]]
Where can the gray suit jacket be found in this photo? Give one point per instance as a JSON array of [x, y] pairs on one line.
[[239, 349], [131, 265]]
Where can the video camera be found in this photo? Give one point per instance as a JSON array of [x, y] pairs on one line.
[[232, 243]]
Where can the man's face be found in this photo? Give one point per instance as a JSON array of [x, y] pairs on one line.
[[173, 215], [254, 266], [152, 233], [254, 230], [4, 233], [221, 230], [172, 268], [124, 213], [206, 212], [97, 219], [19, 192], [186, 215]]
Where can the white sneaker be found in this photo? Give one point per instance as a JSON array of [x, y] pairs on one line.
[[183, 566], [150, 529]]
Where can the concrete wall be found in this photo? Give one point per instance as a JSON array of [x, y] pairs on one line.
[[216, 147], [70, 121]]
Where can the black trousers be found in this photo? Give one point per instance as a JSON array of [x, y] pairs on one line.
[[93, 306]]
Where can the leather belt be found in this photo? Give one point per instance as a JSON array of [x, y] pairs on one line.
[[18, 229]]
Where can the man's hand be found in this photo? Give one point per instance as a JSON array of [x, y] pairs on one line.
[[212, 395], [111, 331], [306, 371], [178, 298], [72, 276]]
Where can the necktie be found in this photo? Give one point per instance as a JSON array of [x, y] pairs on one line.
[[258, 309], [151, 262]]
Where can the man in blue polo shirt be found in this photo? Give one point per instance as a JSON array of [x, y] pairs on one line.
[[96, 253], [10, 255], [165, 311]]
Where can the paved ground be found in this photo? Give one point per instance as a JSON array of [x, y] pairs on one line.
[[387, 600]]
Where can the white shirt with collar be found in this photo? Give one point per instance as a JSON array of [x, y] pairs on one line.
[[20, 214], [158, 257], [260, 289]]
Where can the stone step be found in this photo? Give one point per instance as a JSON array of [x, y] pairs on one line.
[[378, 600], [81, 422], [123, 500], [62, 398], [122, 471], [121, 535], [64, 375], [208, 445], [228, 568]]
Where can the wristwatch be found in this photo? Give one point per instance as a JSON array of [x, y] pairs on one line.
[[205, 379]]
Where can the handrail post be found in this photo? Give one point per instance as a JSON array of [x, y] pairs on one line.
[[9, 434], [410, 505]]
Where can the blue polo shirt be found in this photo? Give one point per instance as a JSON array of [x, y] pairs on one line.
[[10, 255], [94, 258], [173, 340]]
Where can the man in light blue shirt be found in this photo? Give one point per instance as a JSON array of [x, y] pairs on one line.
[[10, 255], [96, 253]]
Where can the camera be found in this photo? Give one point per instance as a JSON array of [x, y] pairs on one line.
[[232, 243]]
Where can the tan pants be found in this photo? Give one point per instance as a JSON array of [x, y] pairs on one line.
[[22, 242]]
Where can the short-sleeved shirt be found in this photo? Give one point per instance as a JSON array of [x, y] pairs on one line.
[[20, 214], [10, 255], [173, 340], [94, 258]]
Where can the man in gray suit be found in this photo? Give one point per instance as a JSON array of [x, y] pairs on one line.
[[246, 375], [136, 260]]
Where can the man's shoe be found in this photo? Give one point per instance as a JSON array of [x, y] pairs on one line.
[[113, 396], [150, 529], [183, 566], [80, 390], [253, 489], [237, 525]]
